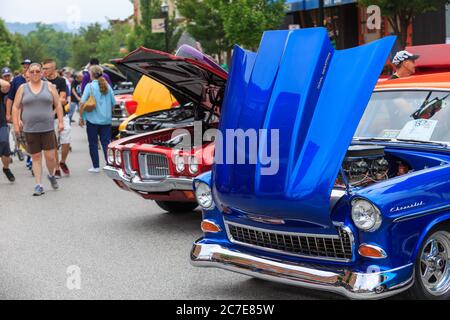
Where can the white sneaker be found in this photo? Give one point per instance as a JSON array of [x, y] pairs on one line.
[[94, 170]]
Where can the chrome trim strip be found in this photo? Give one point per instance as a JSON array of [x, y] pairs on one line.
[[421, 213], [354, 285], [352, 241]]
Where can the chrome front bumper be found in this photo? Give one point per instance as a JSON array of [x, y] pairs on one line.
[[159, 185], [354, 285]]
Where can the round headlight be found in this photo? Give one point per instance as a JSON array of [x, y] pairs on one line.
[[365, 215], [179, 163], [193, 165], [118, 158], [110, 156], [204, 196]]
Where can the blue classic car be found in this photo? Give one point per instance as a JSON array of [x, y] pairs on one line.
[[359, 203]]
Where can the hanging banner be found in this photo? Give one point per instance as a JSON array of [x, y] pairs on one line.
[[158, 25]]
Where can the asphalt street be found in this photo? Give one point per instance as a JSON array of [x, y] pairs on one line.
[[125, 247]]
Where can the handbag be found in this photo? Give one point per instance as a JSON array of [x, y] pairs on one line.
[[90, 104]]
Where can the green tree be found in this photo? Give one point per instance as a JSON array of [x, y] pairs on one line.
[[9, 53], [111, 41], [204, 22], [245, 20], [85, 45], [143, 35], [45, 42], [400, 13]]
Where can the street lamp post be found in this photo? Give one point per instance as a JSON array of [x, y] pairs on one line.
[[321, 13], [165, 11]]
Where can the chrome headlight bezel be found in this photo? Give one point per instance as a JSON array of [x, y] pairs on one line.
[[118, 157], [203, 194], [111, 156], [193, 165], [179, 164], [365, 215]]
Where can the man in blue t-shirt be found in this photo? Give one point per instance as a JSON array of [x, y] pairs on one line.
[[15, 85]]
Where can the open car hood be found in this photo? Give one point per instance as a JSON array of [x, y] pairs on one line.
[[315, 97], [191, 78]]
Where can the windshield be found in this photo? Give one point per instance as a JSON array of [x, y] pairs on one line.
[[407, 115]]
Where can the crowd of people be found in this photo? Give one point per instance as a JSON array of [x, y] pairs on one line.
[[39, 104]]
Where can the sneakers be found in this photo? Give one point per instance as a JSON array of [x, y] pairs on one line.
[[9, 175], [58, 174], [64, 168], [94, 170], [53, 182], [38, 191]]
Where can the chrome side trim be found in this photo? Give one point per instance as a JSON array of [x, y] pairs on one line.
[[421, 213], [335, 237], [354, 285]]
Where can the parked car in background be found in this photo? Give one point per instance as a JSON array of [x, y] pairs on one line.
[[151, 164], [365, 214]]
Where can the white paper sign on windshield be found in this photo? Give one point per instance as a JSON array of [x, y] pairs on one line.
[[420, 129]]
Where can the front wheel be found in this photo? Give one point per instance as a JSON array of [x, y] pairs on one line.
[[432, 269], [177, 207]]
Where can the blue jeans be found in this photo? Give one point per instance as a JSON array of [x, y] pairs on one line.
[[73, 109], [94, 131]]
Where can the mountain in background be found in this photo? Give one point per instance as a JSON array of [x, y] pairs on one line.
[[25, 28]]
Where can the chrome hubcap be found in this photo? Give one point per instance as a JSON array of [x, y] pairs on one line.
[[435, 264]]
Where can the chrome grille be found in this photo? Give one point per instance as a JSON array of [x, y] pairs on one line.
[[127, 162], [153, 165], [337, 248]]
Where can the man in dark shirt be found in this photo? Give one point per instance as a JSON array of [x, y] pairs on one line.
[[5, 152], [51, 74], [15, 84], [87, 76], [75, 90]]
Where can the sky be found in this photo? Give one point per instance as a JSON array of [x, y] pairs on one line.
[[67, 11]]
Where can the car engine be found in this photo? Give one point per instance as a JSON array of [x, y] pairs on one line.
[[363, 165]]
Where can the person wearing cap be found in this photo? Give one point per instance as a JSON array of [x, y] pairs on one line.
[[405, 64], [7, 74], [15, 85]]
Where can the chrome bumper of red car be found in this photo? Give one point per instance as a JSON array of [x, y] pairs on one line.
[[135, 183], [354, 285]]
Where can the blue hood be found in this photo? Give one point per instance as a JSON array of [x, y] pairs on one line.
[[315, 97]]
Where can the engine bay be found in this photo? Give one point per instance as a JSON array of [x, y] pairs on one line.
[[368, 164]]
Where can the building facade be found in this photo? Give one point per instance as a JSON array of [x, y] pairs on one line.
[[347, 23]]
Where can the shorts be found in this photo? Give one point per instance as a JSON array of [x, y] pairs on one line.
[[5, 150], [38, 142], [65, 135]]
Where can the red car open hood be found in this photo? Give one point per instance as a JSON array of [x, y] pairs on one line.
[[189, 80]]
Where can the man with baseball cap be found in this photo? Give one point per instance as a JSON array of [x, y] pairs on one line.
[[7, 74], [15, 85], [405, 64]]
